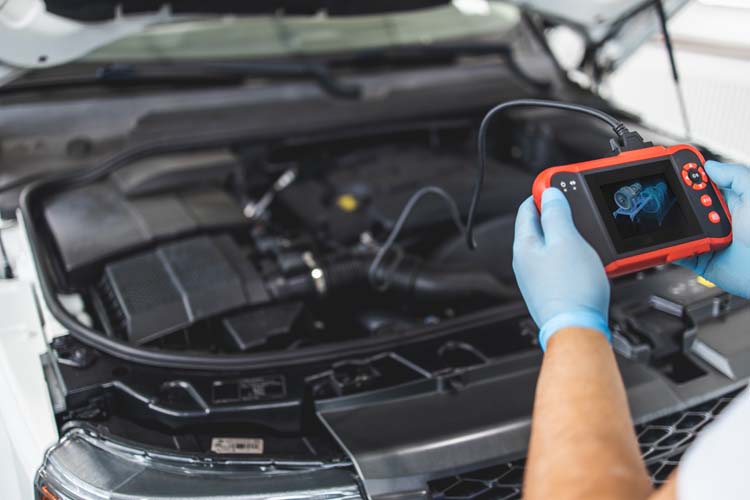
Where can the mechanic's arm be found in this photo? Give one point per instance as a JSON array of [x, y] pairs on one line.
[[582, 441]]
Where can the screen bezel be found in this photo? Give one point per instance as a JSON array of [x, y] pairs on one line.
[[664, 165]]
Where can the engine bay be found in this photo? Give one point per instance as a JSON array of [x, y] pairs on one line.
[[237, 285], [254, 250]]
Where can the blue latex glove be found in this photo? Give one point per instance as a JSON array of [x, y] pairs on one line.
[[729, 268], [560, 275]]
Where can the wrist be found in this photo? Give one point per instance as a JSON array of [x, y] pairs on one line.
[[583, 318]]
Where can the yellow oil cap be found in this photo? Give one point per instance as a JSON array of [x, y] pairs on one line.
[[347, 202]]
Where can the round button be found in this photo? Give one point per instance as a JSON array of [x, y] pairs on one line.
[[686, 178], [694, 175], [706, 200], [714, 217]]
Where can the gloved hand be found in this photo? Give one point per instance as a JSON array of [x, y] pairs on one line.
[[560, 275], [729, 268]]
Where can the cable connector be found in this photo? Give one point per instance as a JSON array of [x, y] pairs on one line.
[[628, 140]]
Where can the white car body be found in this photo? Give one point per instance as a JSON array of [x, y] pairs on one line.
[[27, 423]]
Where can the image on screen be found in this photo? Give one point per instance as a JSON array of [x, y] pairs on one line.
[[645, 212]]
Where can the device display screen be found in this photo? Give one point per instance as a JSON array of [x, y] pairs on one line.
[[642, 207]]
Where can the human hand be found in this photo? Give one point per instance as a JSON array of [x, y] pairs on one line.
[[560, 275], [729, 268]]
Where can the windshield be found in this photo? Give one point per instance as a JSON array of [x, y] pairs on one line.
[[235, 37]]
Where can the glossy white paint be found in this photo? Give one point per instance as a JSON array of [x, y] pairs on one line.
[[27, 426], [32, 37]]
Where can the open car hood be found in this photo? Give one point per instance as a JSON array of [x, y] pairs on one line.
[[613, 29], [35, 33]]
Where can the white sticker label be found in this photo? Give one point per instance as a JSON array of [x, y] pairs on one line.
[[237, 446]]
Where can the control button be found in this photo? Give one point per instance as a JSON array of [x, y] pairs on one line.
[[706, 200], [704, 177], [695, 176], [714, 217], [689, 166], [692, 176]]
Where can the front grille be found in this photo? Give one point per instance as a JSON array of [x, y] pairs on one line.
[[499, 482], [662, 441]]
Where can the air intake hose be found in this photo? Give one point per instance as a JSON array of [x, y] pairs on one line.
[[411, 277]]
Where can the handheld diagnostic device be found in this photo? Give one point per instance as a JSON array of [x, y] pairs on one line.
[[644, 207]]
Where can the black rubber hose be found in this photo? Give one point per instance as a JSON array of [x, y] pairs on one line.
[[446, 284], [417, 280], [337, 275], [347, 273], [411, 277]]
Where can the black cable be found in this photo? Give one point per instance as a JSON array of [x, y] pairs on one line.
[[401, 221], [617, 126]]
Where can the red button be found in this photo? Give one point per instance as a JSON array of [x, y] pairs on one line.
[[700, 186], [706, 201], [714, 217], [703, 174], [689, 166], [686, 178]]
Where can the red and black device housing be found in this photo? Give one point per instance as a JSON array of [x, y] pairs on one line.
[[643, 207]]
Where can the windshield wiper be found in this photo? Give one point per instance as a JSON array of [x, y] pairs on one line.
[[426, 54], [118, 75], [234, 73]]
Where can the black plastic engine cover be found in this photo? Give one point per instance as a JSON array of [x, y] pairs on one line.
[[97, 222], [157, 292], [377, 185]]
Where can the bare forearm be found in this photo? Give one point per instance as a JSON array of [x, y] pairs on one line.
[[582, 440]]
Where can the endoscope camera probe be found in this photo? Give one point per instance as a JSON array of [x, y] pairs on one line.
[[645, 206]]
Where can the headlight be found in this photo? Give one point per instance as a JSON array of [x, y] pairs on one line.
[[85, 466]]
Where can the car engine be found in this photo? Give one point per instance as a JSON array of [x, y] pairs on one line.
[[243, 251]]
